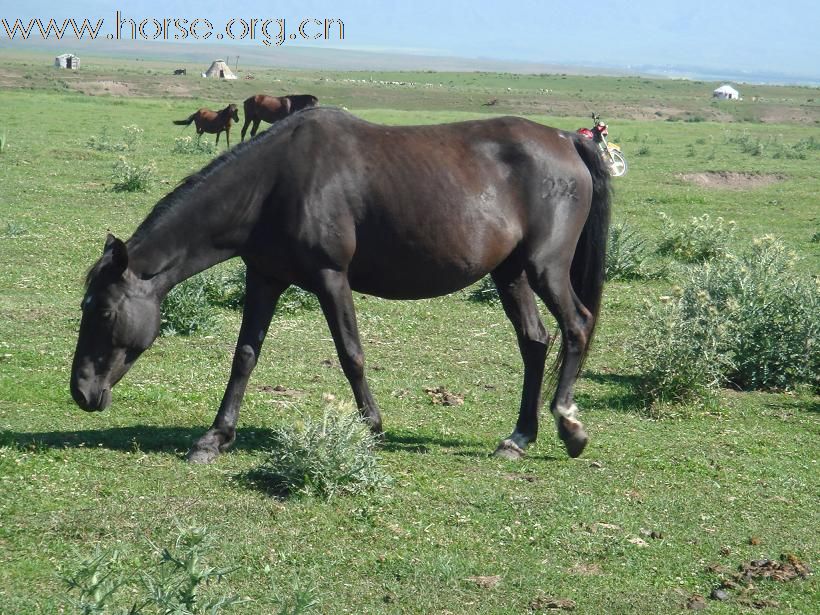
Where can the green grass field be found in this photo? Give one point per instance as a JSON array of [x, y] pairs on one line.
[[719, 487]]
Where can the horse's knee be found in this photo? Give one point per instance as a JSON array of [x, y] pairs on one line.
[[353, 364], [244, 360]]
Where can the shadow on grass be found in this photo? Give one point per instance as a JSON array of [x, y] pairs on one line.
[[623, 394], [413, 442], [173, 440], [178, 440]]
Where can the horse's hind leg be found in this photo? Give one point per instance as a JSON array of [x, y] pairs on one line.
[[533, 342], [260, 303], [336, 300], [245, 126], [255, 127], [552, 283]]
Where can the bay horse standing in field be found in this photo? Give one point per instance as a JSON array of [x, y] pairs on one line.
[[335, 204], [213, 121], [263, 108]]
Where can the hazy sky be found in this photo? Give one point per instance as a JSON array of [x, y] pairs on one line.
[[746, 35]]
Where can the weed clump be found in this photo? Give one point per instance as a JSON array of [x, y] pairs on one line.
[[173, 584], [128, 177], [186, 310], [326, 457], [484, 291], [628, 257], [701, 240], [751, 322], [188, 145]]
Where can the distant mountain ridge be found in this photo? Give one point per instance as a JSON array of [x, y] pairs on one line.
[[339, 59]]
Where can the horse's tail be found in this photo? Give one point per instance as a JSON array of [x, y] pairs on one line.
[[589, 263], [186, 122]]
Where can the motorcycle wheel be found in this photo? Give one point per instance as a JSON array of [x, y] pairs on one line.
[[618, 167]]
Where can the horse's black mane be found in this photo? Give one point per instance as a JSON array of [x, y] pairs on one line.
[[192, 181], [189, 183]]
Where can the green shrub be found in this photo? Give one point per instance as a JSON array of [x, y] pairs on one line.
[[295, 300], [130, 140], [681, 349], [14, 229], [774, 316], [751, 321], [225, 286], [700, 240], [131, 178], [170, 585], [484, 291], [186, 310], [627, 255], [189, 145], [330, 456]]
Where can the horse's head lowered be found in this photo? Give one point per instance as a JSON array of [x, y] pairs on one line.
[[121, 318]]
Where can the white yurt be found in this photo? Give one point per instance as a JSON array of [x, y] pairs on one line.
[[67, 60], [219, 70], [726, 92]]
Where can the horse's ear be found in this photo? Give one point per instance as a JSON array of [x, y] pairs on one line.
[[119, 253]]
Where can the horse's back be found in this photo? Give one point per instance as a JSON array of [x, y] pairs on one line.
[[415, 211]]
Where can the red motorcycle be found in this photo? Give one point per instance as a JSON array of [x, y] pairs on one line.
[[610, 151]]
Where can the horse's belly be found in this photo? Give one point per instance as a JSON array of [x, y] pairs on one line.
[[401, 268]]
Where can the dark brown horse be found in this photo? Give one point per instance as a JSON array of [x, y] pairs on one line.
[[213, 121], [262, 108], [334, 204]]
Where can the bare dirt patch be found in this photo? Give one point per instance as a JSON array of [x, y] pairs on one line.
[[732, 180], [115, 88]]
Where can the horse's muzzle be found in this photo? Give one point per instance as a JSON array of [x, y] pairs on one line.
[[91, 401]]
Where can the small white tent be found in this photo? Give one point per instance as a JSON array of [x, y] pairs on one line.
[[67, 60], [219, 70], [726, 92]]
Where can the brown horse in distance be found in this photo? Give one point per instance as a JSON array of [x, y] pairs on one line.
[[213, 121], [273, 108]]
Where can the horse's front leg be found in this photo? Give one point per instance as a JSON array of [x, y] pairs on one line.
[[336, 300], [228, 136], [260, 303]]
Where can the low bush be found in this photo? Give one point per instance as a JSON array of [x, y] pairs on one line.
[[190, 145], [698, 241], [129, 141], [295, 300], [484, 291], [751, 321], [325, 457], [109, 583], [186, 309], [131, 178], [628, 256]]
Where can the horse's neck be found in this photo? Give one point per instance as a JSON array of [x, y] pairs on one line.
[[207, 226]]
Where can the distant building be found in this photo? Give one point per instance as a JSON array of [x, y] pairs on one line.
[[67, 60], [726, 92], [219, 70]]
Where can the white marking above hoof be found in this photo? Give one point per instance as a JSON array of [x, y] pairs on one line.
[[567, 412]]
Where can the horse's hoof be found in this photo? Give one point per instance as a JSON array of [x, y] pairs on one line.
[[202, 455], [573, 435], [507, 449]]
